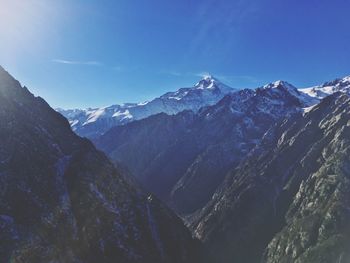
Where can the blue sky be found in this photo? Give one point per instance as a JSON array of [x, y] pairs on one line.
[[96, 52]]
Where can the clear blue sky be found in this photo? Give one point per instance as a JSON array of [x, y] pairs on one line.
[[96, 52]]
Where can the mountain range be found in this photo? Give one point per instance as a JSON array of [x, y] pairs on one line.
[[239, 172], [257, 175], [92, 123], [183, 158]]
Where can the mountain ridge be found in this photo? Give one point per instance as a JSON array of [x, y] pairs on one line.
[[92, 123]]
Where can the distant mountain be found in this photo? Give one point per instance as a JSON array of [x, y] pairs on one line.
[[61, 200], [342, 85], [288, 201], [184, 158], [92, 123]]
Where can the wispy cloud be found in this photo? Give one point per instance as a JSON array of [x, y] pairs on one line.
[[223, 77], [184, 74], [76, 62], [202, 74], [228, 78], [233, 78]]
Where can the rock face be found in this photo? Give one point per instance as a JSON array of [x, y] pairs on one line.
[[92, 123], [289, 200], [61, 200], [185, 157]]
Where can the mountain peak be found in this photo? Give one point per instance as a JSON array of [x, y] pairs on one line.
[[347, 78], [338, 82], [209, 77], [282, 85], [279, 84], [209, 82], [287, 88]]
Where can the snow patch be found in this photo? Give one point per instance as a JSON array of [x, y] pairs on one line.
[[308, 109], [95, 115], [122, 115]]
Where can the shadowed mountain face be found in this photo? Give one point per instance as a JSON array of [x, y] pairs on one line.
[[185, 157], [289, 200], [61, 200]]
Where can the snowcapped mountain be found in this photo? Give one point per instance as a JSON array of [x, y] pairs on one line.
[[183, 158], [319, 92], [281, 85], [92, 123]]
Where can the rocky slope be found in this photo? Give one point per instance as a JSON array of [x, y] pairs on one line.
[[61, 200], [289, 200], [92, 123], [184, 158]]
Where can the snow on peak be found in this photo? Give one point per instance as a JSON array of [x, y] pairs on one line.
[[208, 76], [279, 84], [284, 86], [346, 79], [208, 82], [319, 92], [207, 91]]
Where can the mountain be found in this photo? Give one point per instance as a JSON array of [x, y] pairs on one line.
[[288, 201], [319, 92], [183, 158], [61, 200], [92, 123]]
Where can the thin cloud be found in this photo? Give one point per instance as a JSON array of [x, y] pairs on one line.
[[246, 78], [184, 74], [203, 74], [75, 62], [229, 78]]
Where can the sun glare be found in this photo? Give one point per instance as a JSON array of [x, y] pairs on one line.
[[24, 24]]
